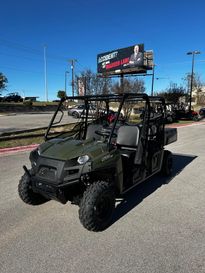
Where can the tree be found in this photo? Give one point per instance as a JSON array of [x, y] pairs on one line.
[[3, 81], [173, 93], [196, 84], [95, 85], [129, 86], [61, 94]]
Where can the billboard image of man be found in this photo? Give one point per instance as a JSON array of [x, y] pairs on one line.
[[136, 59]]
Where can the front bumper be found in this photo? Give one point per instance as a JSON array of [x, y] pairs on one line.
[[52, 191], [57, 180]]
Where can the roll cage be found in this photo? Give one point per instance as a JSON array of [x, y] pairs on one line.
[[149, 116]]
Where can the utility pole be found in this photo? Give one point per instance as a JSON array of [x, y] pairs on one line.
[[193, 53], [72, 61], [45, 73], [66, 72]]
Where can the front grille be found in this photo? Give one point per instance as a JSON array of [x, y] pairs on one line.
[[47, 172], [71, 174]]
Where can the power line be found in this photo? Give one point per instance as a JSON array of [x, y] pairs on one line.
[[39, 59], [176, 63], [31, 50], [21, 70], [19, 56], [28, 71], [80, 65], [19, 46]]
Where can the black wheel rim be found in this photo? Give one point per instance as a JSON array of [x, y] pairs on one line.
[[103, 207]]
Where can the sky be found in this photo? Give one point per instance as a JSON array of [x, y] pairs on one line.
[[82, 29]]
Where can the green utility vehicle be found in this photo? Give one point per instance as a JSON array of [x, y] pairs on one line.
[[98, 161]]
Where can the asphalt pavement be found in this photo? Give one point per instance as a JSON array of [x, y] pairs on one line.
[[24, 121], [158, 228]]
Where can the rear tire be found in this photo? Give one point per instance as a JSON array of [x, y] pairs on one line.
[[167, 164], [26, 193], [97, 206]]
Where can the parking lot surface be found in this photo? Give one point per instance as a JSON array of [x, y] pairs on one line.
[[159, 226], [24, 121]]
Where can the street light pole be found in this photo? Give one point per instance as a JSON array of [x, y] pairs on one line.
[[45, 73], [192, 74], [66, 72]]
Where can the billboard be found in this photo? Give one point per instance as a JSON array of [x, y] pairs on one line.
[[124, 60]]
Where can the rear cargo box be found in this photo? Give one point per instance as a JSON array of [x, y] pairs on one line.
[[170, 135]]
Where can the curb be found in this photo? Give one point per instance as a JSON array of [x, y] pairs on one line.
[[185, 125], [18, 149], [12, 150], [7, 114]]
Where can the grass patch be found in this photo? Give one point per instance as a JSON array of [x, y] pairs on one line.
[[35, 137], [21, 142]]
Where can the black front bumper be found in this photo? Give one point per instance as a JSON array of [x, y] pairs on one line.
[[52, 191], [55, 179]]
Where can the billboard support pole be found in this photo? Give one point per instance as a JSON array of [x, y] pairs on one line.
[[122, 82], [85, 86], [152, 90]]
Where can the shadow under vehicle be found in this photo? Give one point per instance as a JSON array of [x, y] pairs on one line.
[[143, 190], [97, 162]]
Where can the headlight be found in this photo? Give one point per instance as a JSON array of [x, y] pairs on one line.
[[83, 159]]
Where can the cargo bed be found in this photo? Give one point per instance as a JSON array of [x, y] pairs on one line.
[[170, 135]]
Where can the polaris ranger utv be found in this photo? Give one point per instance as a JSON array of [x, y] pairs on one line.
[[98, 161]]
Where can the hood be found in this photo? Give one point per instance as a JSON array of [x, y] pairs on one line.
[[65, 149]]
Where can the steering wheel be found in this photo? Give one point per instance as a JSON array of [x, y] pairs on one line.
[[105, 132]]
